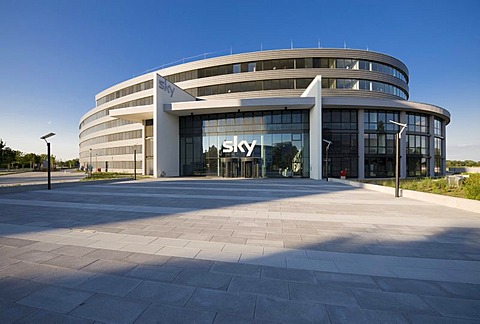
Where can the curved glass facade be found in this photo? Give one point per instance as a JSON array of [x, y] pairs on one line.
[[293, 63], [276, 84], [125, 92], [246, 144]]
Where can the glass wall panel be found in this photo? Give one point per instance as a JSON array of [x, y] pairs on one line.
[[379, 142], [340, 127], [221, 144]]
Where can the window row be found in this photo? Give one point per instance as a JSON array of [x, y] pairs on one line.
[[417, 123], [339, 119], [102, 113], [245, 121], [112, 138], [437, 127], [276, 84], [379, 144], [379, 166], [119, 150], [378, 121], [439, 156], [417, 145], [105, 125], [417, 166], [299, 63], [125, 92]]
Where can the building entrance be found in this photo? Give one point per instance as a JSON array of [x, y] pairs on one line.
[[246, 167]]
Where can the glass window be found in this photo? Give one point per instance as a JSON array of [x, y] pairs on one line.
[[308, 63], [364, 65], [287, 117], [417, 123], [437, 125], [296, 117], [300, 63], [237, 68], [277, 117], [304, 83]]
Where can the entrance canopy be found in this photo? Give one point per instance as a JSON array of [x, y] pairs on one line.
[[235, 105], [135, 114]]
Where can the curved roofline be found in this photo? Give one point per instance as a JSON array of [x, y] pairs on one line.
[[294, 52]]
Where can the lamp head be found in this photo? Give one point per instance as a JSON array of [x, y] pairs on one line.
[[44, 137], [403, 126]]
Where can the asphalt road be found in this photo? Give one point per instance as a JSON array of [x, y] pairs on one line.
[[40, 177]]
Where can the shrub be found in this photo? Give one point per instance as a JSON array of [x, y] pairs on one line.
[[471, 186]]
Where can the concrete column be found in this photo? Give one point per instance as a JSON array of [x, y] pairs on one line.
[[361, 144], [316, 143], [166, 127], [403, 147]]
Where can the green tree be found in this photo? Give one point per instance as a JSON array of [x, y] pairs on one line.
[[466, 163], [74, 163], [2, 147], [31, 160], [9, 157]]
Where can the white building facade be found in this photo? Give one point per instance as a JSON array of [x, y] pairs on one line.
[[266, 114]]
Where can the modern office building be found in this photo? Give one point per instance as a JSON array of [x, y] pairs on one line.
[[267, 114]]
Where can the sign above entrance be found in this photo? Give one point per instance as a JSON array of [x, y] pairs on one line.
[[235, 146]]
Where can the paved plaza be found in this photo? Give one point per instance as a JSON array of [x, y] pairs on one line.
[[234, 251]]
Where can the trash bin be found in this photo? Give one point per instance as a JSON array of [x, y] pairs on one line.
[[343, 174]]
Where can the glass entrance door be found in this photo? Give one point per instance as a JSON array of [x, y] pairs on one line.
[[240, 167], [250, 167], [229, 167]]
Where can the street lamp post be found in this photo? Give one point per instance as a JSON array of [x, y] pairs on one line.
[[44, 137], [134, 163], [398, 136], [326, 156], [90, 165]]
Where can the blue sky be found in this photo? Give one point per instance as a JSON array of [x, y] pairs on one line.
[[56, 55]]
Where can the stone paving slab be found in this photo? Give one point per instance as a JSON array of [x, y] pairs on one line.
[[179, 315], [287, 251], [43, 316], [279, 310], [341, 314], [12, 289], [216, 301], [57, 299], [388, 301], [11, 312], [110, 309]]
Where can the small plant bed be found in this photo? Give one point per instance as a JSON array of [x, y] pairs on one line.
[[469, 188], [107, 175]]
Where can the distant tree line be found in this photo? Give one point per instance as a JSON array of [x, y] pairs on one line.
[[13, 159], [466, 163]]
